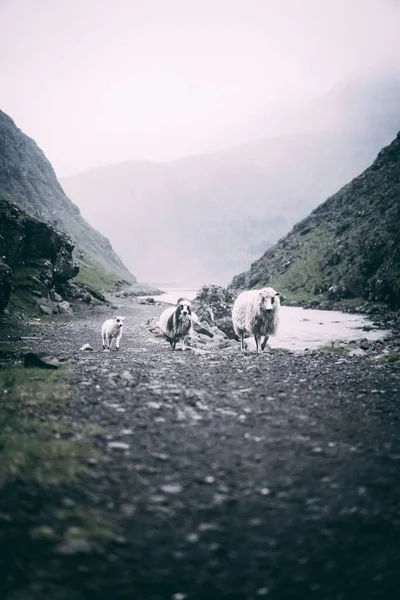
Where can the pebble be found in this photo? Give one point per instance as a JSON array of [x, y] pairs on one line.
[[171, 488], [86, 348], [262, 591], [68, 503], [127, 376], [160, 456], [154, 405], [118, 446], [128, 510]]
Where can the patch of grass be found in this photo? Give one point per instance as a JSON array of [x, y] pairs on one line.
[[95, 276], [337, 350], [84, 522], [390, 357], [38, 440], [21, 299], [279, 351]]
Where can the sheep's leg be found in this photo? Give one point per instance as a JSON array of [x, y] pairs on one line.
[[242, 342], [104, 340], [258, 339], [264, 342], [117, 340], [183, 344]]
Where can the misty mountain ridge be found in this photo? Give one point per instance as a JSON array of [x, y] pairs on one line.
[[350, 105], [29, 180], [210, 216]]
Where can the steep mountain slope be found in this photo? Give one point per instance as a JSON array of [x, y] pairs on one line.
[[349, 247], [29, 178], [207, 217]]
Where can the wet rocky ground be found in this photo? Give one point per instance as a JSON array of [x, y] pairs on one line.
[[197, 474]]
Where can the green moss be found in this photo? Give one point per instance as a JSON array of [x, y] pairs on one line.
[[279, 351], [337, 350], [21, 299], [390, 357], [93, 275], [84, 522], [38, 440]]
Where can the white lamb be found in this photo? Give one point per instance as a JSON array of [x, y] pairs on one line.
[[256, 312], [112, 329], [176, 323]]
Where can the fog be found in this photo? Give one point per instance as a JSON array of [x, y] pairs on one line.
[[96, 82]]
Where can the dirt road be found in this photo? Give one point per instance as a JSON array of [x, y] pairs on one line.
[[215, 476]]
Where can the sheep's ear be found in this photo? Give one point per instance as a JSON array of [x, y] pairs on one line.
[[277, 293], [115, 318]]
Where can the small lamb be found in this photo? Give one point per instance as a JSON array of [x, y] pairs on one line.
[[112, 329], [256, 312], [176, 323]]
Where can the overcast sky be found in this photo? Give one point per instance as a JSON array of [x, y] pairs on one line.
[[102, 81]]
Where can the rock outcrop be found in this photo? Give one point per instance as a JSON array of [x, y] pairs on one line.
[[213, 305], [38, 258]]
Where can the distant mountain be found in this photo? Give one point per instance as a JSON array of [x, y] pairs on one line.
[[348, 247], [28, 177], [207, 217]]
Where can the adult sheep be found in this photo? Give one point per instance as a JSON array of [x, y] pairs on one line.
[[256, 312], [176, 323]]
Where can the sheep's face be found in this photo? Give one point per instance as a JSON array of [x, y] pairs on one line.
[[183, 308], [119, 321], [269, 299]]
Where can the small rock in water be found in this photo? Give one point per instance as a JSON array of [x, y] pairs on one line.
[[86, 347], [171, 488], [40, 361]]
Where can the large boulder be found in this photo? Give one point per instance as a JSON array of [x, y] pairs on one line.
[[213, 305], [5, 284]]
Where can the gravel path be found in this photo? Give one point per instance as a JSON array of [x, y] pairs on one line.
[[223, 477]]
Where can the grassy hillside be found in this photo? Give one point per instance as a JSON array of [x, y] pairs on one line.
[[28, 177], [348, 248]]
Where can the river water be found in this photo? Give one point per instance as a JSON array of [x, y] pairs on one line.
[[301, 328]]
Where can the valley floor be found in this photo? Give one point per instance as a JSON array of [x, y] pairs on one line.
[[179, 476]]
